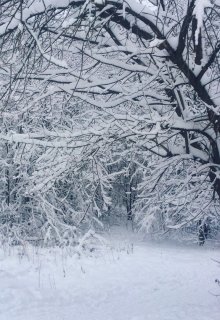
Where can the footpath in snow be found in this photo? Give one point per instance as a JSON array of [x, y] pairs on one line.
[[127, 279]]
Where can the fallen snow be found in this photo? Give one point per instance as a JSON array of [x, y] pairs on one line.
[[126, 280]]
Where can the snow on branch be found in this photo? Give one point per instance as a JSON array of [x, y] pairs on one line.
[[199, 12]]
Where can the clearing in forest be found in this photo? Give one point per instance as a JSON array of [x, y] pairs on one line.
[[125, 279]]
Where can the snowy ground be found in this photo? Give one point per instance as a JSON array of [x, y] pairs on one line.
[[126, 280]]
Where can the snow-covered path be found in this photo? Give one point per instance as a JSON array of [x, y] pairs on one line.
[[123, 282]]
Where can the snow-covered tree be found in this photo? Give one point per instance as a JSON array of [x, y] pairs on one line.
[[88, 77]]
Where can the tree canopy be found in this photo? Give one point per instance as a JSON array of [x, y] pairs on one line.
[[109, 97]]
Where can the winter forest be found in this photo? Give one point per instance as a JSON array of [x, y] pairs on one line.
[[110, 119]]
